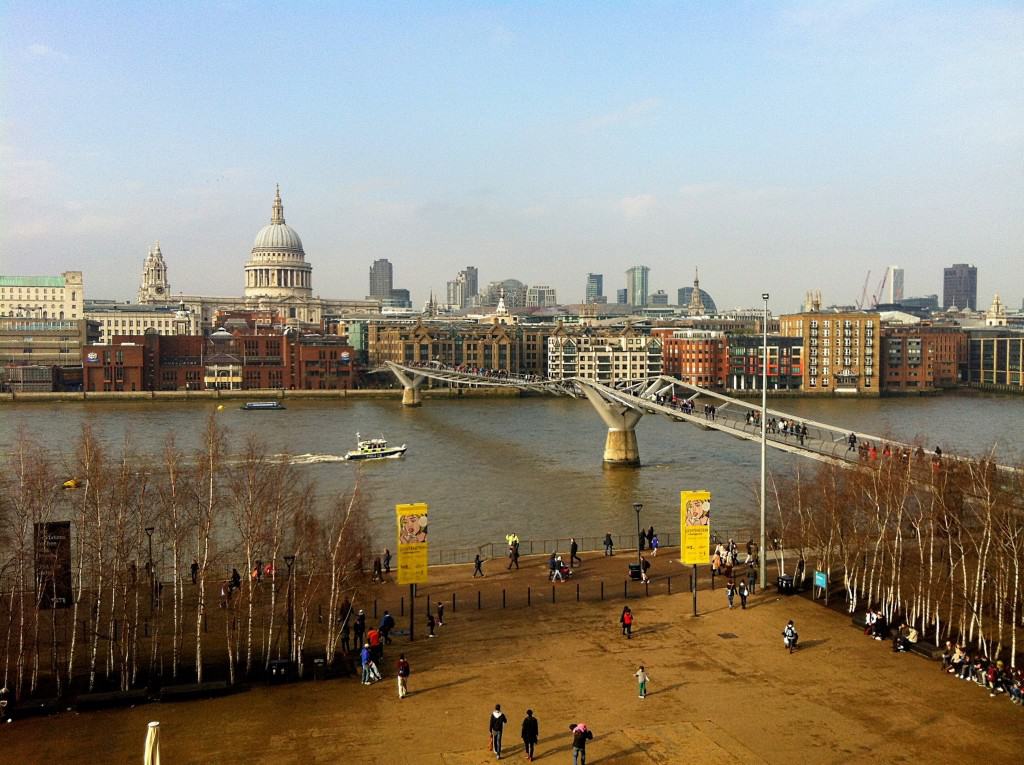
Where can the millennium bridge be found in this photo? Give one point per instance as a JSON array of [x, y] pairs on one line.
[[621, 407]]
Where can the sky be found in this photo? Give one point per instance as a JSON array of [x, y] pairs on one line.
[[778, 147]]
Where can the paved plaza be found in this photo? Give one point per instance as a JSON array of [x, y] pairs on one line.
[[722, 688]]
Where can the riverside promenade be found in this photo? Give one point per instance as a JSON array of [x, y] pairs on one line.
[[722, 687]]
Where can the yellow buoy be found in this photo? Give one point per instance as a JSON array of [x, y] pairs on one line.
[[220, 407]]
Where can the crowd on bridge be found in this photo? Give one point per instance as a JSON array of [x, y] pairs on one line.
[[498, 375]]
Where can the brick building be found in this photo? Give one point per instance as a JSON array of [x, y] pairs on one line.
[[841, 351], [920, 357], [221, 361], [698, 357], [746, 368]]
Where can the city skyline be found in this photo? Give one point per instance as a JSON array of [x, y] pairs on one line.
[[770, 140]]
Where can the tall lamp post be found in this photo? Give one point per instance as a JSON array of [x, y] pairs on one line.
[[289, 560], [764, 437], [638, 506], [149, 567]]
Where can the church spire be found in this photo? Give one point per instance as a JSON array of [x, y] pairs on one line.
[[277, 218], [696, 278]]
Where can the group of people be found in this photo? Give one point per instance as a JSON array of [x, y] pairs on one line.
[[646, 539], [530, 734], [995, 676], [867, 451]]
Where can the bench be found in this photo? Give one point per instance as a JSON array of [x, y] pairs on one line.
[[928, 650], [112, 699], [198, 690], [33, 708]]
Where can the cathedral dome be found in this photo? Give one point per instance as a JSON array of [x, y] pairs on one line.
[[277, 266], [278, 235]]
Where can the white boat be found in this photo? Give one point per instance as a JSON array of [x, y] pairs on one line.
[[374, 449]]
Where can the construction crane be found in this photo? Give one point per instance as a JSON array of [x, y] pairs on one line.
[[864, 291], [877, 297]]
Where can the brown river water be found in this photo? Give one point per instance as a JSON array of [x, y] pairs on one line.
[[533, 466]]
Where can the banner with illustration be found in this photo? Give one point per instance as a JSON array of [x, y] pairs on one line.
[[412, 543], [695, 522]]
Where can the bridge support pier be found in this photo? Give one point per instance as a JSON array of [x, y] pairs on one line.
[[412, 395], [620, 446]]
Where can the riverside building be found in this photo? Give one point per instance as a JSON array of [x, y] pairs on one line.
[[841, 351]]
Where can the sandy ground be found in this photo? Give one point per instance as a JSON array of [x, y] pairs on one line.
[[722, 686]]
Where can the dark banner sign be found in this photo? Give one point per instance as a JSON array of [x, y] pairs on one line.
[[53, 564]]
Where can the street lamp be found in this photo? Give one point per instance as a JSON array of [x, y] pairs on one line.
[[149, 567], [638, 506], [289, 560], [764, 436]]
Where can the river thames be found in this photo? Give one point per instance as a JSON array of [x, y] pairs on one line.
[[531, 465]]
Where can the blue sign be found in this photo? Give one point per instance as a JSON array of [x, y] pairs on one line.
[[820, 579]]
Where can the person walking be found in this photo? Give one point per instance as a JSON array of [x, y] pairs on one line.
[[752, 578], [365, 659], [743, 595], [642, 677], [645, 566], [789, 636], [387, 623], [360, 627], [403, 676], [608, 544], [478, 566], [573, 550], [440, 614], [730, 590], [496, 726], [655, 544], [580, 736], [430, 622], [194, 568], [643, 540], [387, 561], [513, 556], [627, 622], [650, 535], [530, 733]]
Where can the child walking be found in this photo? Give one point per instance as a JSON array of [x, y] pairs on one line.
[[642, 677]]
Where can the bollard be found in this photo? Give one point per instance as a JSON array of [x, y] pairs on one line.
[[647, 589], [401, 606], [529, 599], [670, 585], [577, 592], [374, 608], [552, 593], [478, 601], [625, 589], [503, 598], [453, 601], [602, 589]]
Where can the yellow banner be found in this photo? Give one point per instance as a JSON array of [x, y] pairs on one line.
[[412, 543], [695, 524]]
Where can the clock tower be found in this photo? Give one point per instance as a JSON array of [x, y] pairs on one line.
[[154, 288]]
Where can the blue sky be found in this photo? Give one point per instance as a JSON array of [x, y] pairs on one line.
[[776, 146]]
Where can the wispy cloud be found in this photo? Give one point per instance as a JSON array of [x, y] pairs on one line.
[[40, 50], [629, 114], [637, 206]]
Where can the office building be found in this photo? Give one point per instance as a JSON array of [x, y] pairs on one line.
[[112, 318], [622, 296], [43, 297], [463, 288], [636, 286], [695, 356], [624, 357], [541, 296], [895, 284], [381, 279], [922, 357], [995, 360], [659, 298], [960, 286], [595, 289]]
